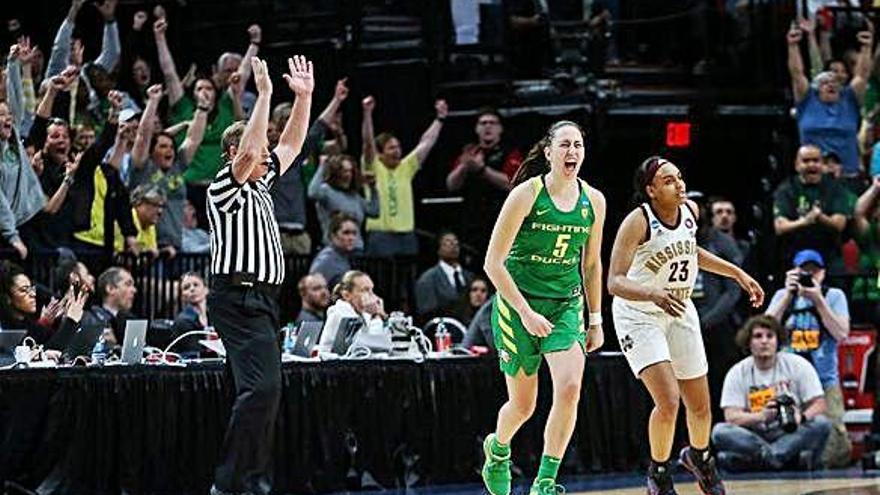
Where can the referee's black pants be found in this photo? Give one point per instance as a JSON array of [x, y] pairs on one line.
[[247, 320]]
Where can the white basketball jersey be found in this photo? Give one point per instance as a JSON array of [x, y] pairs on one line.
[[668, 259]]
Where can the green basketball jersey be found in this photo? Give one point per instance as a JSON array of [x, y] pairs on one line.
[[545, 259]]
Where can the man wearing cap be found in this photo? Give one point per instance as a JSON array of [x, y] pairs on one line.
[[817, 318], [148, 203]]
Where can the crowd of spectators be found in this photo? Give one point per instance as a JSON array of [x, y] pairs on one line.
[[113, 155]]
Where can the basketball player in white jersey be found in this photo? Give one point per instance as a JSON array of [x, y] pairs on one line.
[[653, 267]]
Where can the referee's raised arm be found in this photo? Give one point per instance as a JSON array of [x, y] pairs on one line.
[[252, 149], [302, 83]]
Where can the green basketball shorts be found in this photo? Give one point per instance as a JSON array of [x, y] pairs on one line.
[[517, 348]]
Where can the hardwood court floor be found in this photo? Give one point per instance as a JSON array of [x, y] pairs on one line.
[[838, 486]]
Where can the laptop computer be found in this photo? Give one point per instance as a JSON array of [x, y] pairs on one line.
[[215, 346], [9, 340], [83, 341], [134, 341], [348, 327], [308, 337]]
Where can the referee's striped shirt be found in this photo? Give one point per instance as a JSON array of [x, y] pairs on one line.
[[244, 232]]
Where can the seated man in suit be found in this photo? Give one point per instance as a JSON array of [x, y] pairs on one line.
[[442, 286], [116, 290]]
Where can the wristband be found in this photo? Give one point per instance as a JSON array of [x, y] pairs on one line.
[[68, 180], [204, 109], [595, 319], [440, 119]]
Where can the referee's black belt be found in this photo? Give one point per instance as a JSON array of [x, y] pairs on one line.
[[241, 279]]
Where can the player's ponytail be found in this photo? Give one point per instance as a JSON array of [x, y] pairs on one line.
[[536, 163]]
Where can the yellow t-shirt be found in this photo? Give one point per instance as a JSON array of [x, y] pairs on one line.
[[146, 238], [95, 234], [396, 209]]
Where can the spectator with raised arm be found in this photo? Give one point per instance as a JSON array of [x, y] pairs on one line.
[[101, 199], [62, 49], [393, 232], [60, 170], [290, 193], [336, 188], [828, 112], [866, 226], [27, 56], [222, 110], [234, 67], [99, 76], [155, 160], [135, 66], [20, 190]]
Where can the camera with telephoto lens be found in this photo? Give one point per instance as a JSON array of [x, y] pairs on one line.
[[786, 406]]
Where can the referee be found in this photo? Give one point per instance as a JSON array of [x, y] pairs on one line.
[[247, 268]]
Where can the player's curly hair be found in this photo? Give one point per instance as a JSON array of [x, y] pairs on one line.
[[744, 334]]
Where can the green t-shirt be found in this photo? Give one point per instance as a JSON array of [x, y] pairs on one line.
[[544, 260], [866, 287], [794, 199], [207, 160]]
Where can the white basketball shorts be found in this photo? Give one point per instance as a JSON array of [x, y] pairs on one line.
[[648, 338]]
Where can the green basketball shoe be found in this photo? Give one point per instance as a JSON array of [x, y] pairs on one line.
[[496, 469]]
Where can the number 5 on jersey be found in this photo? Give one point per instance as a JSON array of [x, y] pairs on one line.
[[561, 245]]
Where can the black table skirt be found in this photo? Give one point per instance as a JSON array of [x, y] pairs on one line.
[[341, 425]]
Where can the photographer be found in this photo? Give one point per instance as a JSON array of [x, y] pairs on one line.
[[817, 318], [773, 406]]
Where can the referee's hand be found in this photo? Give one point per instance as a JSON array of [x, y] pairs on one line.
[[261, 76]]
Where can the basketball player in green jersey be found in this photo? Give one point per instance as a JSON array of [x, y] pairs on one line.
[[544, 259]]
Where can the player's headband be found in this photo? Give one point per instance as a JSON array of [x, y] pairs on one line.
[[654, 164]]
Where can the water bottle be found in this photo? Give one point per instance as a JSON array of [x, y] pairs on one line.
[[442, 338], [99, 352], [289, 338]]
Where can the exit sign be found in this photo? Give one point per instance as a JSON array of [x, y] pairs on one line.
[[678, 134]]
